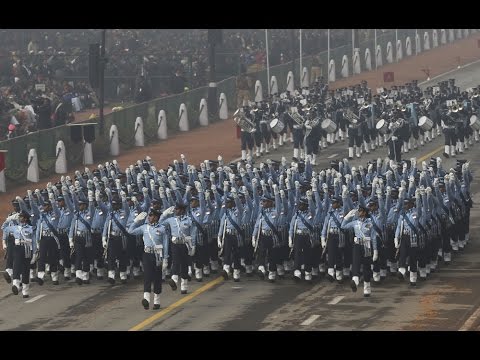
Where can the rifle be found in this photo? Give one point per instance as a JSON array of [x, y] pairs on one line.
[[72, 250], [324, 251], [220, 252], [258, 238], [105, 252], [397, 253]]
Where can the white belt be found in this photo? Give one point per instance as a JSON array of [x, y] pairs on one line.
[[47, 233], [334, 231], [178, 240], [22, 242], [231, 231], [116, 233], [302, 232], [149, 249], [81, 233], [62, 231], [267, 232]]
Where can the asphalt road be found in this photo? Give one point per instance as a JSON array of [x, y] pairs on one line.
[[448, 300]]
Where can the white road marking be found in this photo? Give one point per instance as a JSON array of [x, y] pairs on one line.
[[331, 156], [237, 287], [336, 300], [35, 298], [470, 321], [310, 320]]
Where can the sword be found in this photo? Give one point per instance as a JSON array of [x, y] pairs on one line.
[[105, 252], [397, 253]]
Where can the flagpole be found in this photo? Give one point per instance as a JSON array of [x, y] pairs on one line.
[[268, 62]]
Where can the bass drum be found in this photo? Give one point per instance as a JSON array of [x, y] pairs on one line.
[[277, 126], [475, 122], [329, 126], [425, 123], [382, 126]]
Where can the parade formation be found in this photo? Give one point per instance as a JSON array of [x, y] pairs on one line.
[[272, 219]]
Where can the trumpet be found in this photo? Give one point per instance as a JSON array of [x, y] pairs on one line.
[[243, 122]]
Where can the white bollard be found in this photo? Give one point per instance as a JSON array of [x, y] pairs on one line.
[[33, 173], [451, 35], [139, 135], [331, 71], [258, 91], [114, 144], [290, 83], [3, 154], [305, 78], [223, 112], [162, 125], [399, 53], [87, 153], [183, 118], [61, 162], [203, 113], [389, 52], [443, 36], [368, 59], [273, 85], [459, 34], [378, 56], [356, 62], [426, 41], [344, 71], [418, 44], [408, 46], [434, 38]]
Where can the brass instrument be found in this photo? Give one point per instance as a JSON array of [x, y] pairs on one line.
[[311, 124], [243, 122], [299, 119], [351, 116]]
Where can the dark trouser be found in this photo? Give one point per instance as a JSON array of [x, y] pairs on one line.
[[354, 137], [445, 234], [312, 142], [151, 273], [133, 254], [84, 255], [391, 251], [460, 132], [10, 244], [317, 258], [267, 252], [334, 252], [116, 251], [231, 252], [213, 250], [298, 138], [422, 251], [381, 262], [303, 252], [98, 250], [358, 258], [247, 140], [201, 256], [436, 244], [266, 132], [49, 253], [246, 252], [394, 149], [348, 250], [366, 133], [21, 265], [406, 250], [450, 137], [257, 136], [180, 260], [415, 131], [65, 250]]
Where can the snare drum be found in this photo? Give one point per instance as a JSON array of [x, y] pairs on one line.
[[475, 122], [277, 126], [382, 126], [329, 126], [425, 123]]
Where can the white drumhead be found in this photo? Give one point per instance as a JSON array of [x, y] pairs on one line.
[[273, 123], [380, 124], [422, 120]]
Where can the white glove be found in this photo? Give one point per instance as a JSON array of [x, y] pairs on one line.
[[325, 187], [324, 241], [358, 187], [429, 190], [170, 210], [140, 217], [4, 244], [219, 158], [309, 194], [144, 190], [370, 168], [164, 265], [90, 195], [134, 199], [175, 162], [70, 242], [397, 243], [282, 194], [375, 255], [188, 188], [192, 251], [104, 241], [254, 242], [290, 242], [287, 184], [219, 242], [78, 173], [284, 161], [173, 185], [351, 213]]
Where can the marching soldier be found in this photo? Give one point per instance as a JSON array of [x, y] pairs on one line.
[[49, 244], [155, 256], [114, 240], [23, 249], [80, 239], [183, 243], [8, 240], [365, 241]]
